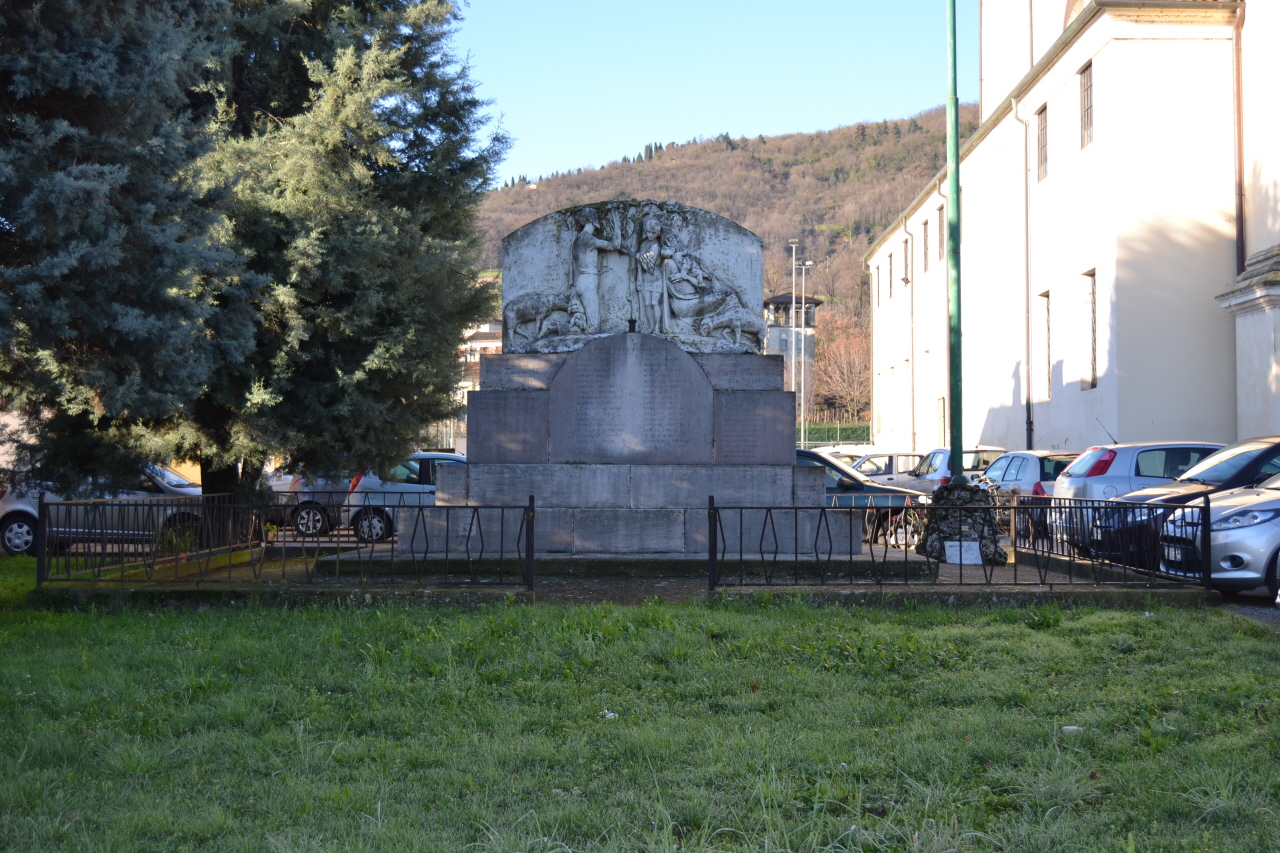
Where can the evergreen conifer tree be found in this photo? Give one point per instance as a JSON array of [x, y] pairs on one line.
[[354, 142], [118, 298], [897, 131], [913, 126]]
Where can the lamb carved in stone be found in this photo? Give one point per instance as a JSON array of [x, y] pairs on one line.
[[731, 316]]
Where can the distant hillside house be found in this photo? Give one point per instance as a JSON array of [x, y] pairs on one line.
[[1120, 253]]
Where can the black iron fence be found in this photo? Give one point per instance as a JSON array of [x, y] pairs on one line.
[[321, 538], [329, 537], [1014, 540]]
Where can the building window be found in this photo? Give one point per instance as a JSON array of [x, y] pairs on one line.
[[890, 275], [1086, 105], [906, 263], [877, 285], [1042, 143], [925, 254], [942, 231], [1048, 348], [1093, 328]]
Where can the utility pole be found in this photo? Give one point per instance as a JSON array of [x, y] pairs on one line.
[[953, 254]]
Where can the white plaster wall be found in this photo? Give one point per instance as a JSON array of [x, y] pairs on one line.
[[1175, 238], [1261, 125], [1146, 206], [1005, 34], [1258, 363]]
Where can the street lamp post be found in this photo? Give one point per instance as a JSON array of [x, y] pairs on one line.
[[804, 354], [793, 244], [953, 254]]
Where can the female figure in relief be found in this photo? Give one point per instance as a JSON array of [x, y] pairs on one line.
[[651, 279]]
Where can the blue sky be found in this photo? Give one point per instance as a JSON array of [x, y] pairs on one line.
[[579, 83]]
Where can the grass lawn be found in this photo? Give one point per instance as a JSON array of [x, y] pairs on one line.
[[734, 726]]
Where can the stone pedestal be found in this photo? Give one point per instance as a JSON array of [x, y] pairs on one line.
[[622, 442], [622, 436]]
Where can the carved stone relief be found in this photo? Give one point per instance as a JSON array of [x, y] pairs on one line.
[[681, 273]]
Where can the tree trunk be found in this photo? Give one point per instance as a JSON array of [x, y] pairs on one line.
[[219, 485]]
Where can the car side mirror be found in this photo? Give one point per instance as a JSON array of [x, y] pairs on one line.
[[848, 484]]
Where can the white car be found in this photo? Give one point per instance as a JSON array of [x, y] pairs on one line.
[[1244, 539], [369, 509], [1030, 473], [1108, 471], [883, 467]]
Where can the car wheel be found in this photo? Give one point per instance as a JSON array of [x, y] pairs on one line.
[[18, 535], [372, 527], [310, 521]]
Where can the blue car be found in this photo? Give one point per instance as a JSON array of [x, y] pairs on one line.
[[848, 488]]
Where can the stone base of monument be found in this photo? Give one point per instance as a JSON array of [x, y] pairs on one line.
[[622, 442]]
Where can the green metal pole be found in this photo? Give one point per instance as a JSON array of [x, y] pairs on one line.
[[953, 253]]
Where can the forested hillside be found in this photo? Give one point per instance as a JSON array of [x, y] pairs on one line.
[[832, 190]]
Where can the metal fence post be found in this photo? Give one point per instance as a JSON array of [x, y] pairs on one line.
[[528, 545], [713, 546], [1206, 549], [42, 547]]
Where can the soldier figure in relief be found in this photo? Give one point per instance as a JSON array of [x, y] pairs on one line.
[[586, 263]]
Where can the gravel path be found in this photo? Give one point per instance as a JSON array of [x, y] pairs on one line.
[[1256, 606]]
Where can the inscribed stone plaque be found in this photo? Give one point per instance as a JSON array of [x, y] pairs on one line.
[[755, 428], [631, 399], [507, 426]]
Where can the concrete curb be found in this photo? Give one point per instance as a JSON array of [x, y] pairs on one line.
[[161, 598], [986, 596], [167, 598]]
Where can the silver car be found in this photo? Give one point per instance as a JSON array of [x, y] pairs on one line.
[[116, 521], [1111, 470], [370, 505], [934, 469], [1244, 539]]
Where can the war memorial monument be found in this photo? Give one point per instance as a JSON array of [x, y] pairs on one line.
[[631, 386]]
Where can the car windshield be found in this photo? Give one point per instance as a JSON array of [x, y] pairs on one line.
[[1052, 466], [1226, 463], [977, 460], [844, 470], [1084, 462], [171, 478]]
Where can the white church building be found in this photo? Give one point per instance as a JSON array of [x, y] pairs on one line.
[[1120, 236]]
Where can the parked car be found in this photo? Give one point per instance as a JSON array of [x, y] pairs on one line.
[[883, 467], [934, 469], [369, 509], [1027, 473], [1027, 476], [312, 507], [1108, 471], [1130, 535], [111, 521], [847, 488], [1244, 531]]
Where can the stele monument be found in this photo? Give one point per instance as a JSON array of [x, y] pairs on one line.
[[631, 385]]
